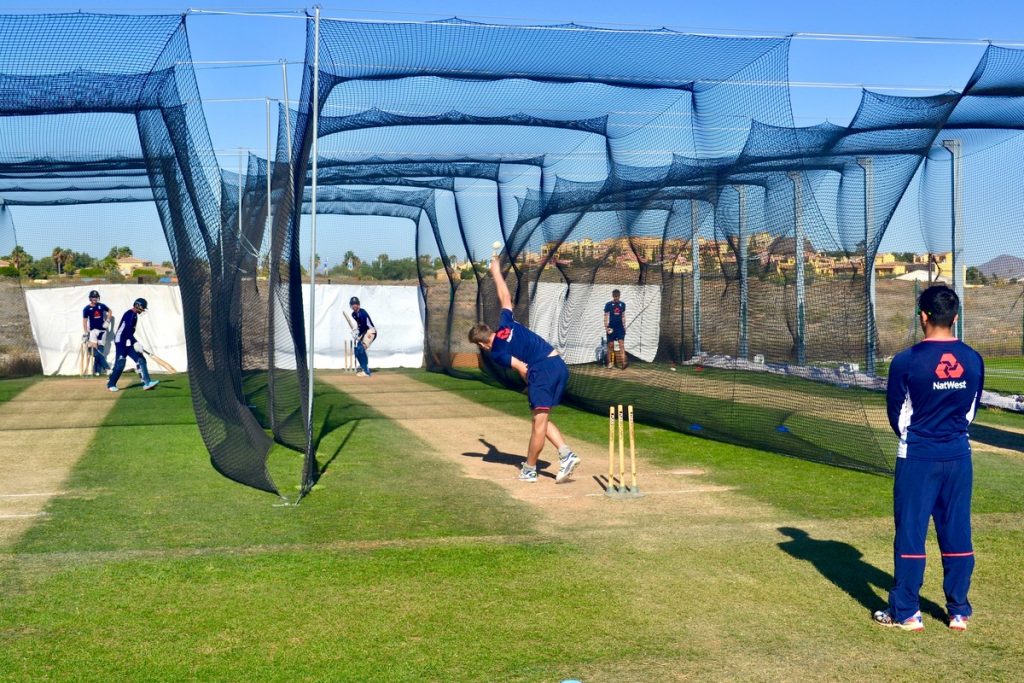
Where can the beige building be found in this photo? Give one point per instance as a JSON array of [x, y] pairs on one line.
[[127, 265]]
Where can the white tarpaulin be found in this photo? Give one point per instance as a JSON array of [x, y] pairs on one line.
[[572, 319], [56, 318], [396, 313]]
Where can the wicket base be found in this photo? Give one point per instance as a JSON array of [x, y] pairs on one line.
[[621, 490]]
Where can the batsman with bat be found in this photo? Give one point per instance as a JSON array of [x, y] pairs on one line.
[[543, 370], [125, 347], [95, 317], [363, 332]]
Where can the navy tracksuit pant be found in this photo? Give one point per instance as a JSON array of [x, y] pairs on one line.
[[939, 489]]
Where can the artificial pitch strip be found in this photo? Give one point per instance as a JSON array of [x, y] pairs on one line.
[[489, 444]]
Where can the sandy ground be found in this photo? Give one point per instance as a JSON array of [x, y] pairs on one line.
[[487, 444], [46, 429]]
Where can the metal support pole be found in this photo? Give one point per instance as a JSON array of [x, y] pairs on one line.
[[870, 345], [287, 114], [744, 350], [798, 259], [270, 171], [240, 164], [957, 218], [695, 255], [312, 236]]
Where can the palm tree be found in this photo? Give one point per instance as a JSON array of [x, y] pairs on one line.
[[19, 257], [61, 257]]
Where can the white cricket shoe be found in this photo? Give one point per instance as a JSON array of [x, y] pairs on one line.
[[113, 389], [912, 623], [151, 384], [567, 465], [528, 475], [958, 622]]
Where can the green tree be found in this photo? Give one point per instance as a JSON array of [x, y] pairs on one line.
[[119, 252], [19, 258]]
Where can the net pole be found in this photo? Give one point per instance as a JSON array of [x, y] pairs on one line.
[[287, 116], [695, 255], [269, 165], [742, 261], [312, 229], [798, 260], [240, 152], [956, 218], [869, 264]]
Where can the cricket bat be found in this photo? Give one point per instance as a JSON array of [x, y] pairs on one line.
[[161, 362]]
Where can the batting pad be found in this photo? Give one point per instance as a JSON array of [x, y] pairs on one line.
[[571, 318]]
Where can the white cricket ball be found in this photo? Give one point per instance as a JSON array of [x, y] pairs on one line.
[[496, 246]]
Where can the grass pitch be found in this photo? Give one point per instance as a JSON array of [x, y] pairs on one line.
[[397, 568]]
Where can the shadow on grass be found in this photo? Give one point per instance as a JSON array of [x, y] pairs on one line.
[[1000, 438], [842, 564], [492, 454]]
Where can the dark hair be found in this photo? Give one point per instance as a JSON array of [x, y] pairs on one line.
[[616, 292], [940, 304], [480, 332]]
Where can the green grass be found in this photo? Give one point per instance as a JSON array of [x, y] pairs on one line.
[[9, 388], [396, 568]]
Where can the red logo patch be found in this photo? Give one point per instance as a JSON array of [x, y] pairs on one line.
[[506, 332], [949, 367]]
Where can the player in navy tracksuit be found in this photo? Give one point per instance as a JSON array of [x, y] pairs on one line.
[[365, 333], [94, 325], [614, 313], [543, 370], [125, 347], [934, 390]]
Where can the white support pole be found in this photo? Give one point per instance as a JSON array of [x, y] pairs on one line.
[[798, 259], [744, 350], [312, 234], [870, 347], [957, 216], [270, 169], [695, 256], [287, 116], [241, 154]]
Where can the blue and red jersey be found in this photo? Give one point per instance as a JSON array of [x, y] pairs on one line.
[[615, 310], [512, 340], [125, 331], [96, 315], [363, 321], [933, 394]]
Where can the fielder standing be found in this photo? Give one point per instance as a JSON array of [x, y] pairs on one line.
[[615, 328], [95, 317], [933, 394], [365, 333], [125, 345], [543, 370]]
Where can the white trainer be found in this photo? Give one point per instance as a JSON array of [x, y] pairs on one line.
[[529, 475], [567, 465]]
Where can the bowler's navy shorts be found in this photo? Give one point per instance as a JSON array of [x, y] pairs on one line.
[[616, 334], [545, 382]]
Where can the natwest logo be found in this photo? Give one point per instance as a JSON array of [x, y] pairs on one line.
[[949, 367], [506, 332]]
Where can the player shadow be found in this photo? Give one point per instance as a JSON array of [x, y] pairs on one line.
[[1000, 438], [492, 454], [843, 565]]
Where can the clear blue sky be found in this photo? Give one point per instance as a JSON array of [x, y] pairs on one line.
[[919, 65]]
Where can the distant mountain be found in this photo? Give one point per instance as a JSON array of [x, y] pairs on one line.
[[1006, 267]]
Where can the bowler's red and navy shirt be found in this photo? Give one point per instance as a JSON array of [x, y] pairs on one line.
[[933, 394], [512, 340], [96, 315]]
